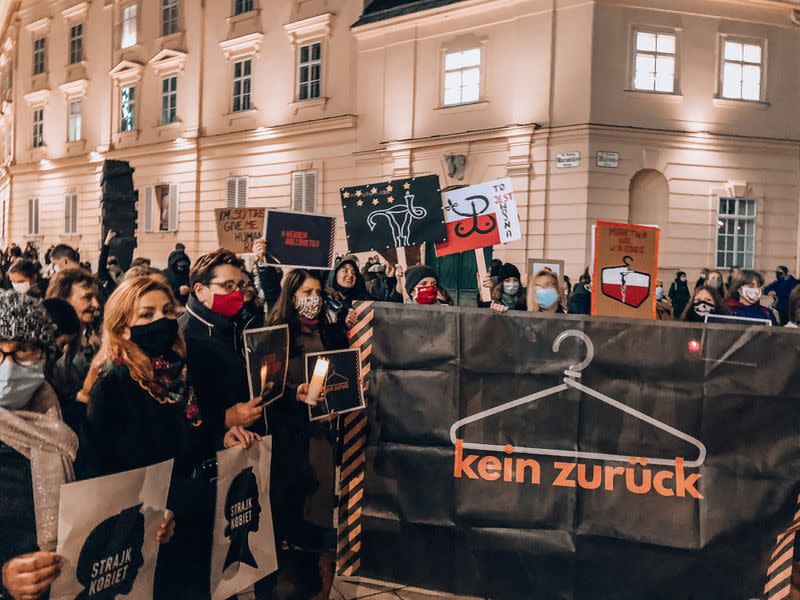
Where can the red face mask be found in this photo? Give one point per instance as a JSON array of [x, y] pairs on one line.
[[426, 294], [228, 305]]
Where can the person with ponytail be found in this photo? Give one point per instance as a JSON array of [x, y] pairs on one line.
[[302, 488], [142, 411]]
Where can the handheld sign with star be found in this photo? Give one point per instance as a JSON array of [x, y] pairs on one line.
[[393, 214]]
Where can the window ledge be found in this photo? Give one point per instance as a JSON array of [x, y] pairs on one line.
[[162, 234], [246, 16], [77, 147], [71, 236], [321, 102], [720, 102], [171, 38], [247, 118], [170, 130], [673, 97], [123, 139], [464, 107]]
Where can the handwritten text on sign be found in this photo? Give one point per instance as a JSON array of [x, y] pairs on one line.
[[238, 228]]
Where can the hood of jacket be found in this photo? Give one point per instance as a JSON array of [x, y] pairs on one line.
[[357, 292], [173, 275]]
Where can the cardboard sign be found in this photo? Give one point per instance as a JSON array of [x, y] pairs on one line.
[[238, 228], [343, 391], [243, 550], [107, 534], [393, 214], [299, 240], [267, 357], [625, 270], [479, 216], [537, 265]]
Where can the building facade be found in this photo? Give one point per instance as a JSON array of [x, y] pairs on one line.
[[676, 113]]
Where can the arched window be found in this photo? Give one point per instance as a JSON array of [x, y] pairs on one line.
[[648, 199]]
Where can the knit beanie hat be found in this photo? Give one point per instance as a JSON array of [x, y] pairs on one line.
[[508, 270], [23, 319], [416, 274]]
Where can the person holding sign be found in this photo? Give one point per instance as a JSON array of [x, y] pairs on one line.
[[35, 445], [345, 286], [142, 411], [508, 293], [304, 453]]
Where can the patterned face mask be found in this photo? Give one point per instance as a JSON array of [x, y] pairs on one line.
[[309, 307]]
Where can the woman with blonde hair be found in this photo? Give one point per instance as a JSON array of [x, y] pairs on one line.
[[545, 293], [142, 411]]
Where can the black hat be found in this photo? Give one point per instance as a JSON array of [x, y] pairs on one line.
[[508, 270], [416, 274], [63, 315]]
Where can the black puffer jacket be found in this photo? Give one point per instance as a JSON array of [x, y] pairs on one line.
[[176, 275]]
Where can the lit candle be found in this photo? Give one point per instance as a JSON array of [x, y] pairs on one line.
[[266, 388], [317, 380]]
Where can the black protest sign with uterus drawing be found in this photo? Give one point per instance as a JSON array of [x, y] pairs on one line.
[[393, 214]]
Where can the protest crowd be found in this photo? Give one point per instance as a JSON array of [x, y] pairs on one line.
[[107, 371]]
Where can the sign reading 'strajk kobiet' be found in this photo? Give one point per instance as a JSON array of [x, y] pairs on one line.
[[393, 214]]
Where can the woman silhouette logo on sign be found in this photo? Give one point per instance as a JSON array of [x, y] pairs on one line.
[[243, 514]]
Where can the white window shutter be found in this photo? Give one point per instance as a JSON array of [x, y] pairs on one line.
[[148, 208], [68, 213], [173, 207], [30, 216], [297, 191], [241, 194], [310, 191], [230, 193]]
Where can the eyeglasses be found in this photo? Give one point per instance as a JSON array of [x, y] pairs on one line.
[[25, 356], [231, 286]]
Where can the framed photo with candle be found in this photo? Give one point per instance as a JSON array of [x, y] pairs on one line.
[[267, 356], [342, 391]]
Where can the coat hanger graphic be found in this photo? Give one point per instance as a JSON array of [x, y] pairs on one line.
[[572, 375]]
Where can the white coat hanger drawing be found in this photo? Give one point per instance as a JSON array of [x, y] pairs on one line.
[[572, 375]]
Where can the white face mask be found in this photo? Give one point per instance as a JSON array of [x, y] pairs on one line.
[[19, 383], [752, 295], [21, 287], [309, 307]]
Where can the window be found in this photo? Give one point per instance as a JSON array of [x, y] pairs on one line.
[[242, 85], [304, 191], [736, 232], [169, 17], [310, 74], [75, 120], [654, 62], [242, 6], [169, 100], [462, 77], [39, 56], [161, 208], [71, 214], [129, 35], [236, 196], [33, 216], [127, 108], [76, 44], [38, 127], [742, 64]]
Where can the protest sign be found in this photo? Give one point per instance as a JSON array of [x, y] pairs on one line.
[[537, 265], [731, 320], [343, 392], [393, 214], [243, 550], [479, 216], [299, 240], [107, 534], [238, 228], [267, 357], [555, 456], [625, 270]]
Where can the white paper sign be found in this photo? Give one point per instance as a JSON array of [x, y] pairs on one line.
[[567, 160], [608, 160], [107, 534], [243, 550]]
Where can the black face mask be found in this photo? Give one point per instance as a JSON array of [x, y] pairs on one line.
[[157, 338]]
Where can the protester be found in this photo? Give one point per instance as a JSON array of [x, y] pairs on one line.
[[494, 268], [37, 450], [703, 278], [421, 284], [106, 282], [745, 294], [266, 277], [304, 452], [544, 293], [213, 326], [142, 411], [143, 271], [794, 309], [679, 294], [717, 281], [65, 257], [782, 288], [79, 288], [23, 274], [508, 293], [580, 301], [253, 310], [177, 273], [732, 275], [706, 300], [663, 305], [346, 286], [141, 262]]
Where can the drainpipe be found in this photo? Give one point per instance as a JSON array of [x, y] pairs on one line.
[[197, 149]]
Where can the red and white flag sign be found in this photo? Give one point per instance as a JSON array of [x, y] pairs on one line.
[[479, 216]]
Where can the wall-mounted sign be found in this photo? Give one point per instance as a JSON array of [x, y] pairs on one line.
[[608, 160], [568, 160]]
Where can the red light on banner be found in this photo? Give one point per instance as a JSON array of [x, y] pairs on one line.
[[694, 347]]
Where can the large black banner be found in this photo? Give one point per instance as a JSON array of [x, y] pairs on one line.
[[527, 456]]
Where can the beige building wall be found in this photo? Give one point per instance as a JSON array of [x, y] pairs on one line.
[[556, 77]]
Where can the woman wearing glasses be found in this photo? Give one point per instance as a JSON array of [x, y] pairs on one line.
[[142, 411], [35, 445]]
